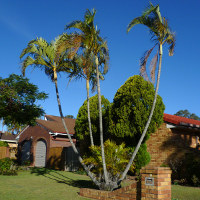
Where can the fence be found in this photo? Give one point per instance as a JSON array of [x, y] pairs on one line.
[[4, 152], [63, 159], [9, 152]]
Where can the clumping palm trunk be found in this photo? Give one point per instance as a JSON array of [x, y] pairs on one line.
[[149, 119], [101, 125], [88, 109], [91, 175]]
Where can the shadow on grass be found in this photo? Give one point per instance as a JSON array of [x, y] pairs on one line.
[[60, 178]]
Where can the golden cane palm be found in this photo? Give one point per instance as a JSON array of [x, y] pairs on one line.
[[83, 68], [161, 34], [97, 47], [51, 58]]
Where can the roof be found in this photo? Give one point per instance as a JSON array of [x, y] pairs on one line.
[[7, 136], [54, 124], [177, 120]]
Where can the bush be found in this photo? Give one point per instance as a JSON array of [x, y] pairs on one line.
[[131, 108], [82, 126], [117, 157], [185, 170], [142, 158], [3, 144], [7, 167]]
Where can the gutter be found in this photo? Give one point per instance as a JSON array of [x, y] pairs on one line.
[[55, 134], [13, 141]]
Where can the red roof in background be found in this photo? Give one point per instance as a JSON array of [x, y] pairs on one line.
[[181, 120]]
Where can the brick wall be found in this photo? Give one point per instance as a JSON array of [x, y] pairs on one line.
[[56, 158], [131, 192], [168, 144], [33, 134], [138, 190], [161, 187]]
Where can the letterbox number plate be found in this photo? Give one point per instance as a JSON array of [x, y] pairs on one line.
[[149, 181]]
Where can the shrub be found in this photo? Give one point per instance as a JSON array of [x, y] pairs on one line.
[[82, 126], [131, 108], [117, 157], [3, 144], [185, 170], [142, 158], [7, 167]]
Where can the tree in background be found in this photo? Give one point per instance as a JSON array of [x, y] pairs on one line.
[[161, 34], [187, 114], [70, 116], [18, 99], [81, 126]]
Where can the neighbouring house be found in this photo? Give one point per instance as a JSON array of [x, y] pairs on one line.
[[46, 144], [9, 138], [11, 150], [177, 138]]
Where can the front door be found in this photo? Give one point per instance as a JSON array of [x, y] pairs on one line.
[[26, 148], [40, 155]]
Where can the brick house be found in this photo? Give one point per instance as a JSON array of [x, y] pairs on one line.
[[176, 138], [46, 144]]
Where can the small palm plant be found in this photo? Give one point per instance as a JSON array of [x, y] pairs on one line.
[[117, 157]]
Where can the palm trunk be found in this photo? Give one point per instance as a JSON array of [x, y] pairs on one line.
[[88, 109], [148, 122], [91, 175], [101, 124]]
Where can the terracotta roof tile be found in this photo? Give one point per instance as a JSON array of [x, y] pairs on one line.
[[181, 120], [54, 124]]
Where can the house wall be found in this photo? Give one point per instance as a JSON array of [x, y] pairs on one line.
[[33, 134], [169, 144], [61, 142]]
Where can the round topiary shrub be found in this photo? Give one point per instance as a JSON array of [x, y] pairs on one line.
[[131, 108]]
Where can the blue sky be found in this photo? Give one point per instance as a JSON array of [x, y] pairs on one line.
[[22, 21]]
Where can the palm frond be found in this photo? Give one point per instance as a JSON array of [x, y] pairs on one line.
[[75, 24], [27, 61], [143, 62], [89, 16], [171, 41], [153, 66]]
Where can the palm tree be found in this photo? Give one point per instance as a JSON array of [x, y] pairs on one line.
[[51, 58], [161, 34], [83, 68], [97, 48]]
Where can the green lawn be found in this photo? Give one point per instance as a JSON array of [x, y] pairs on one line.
[[54, 185], [185, 193], [43, 186]]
